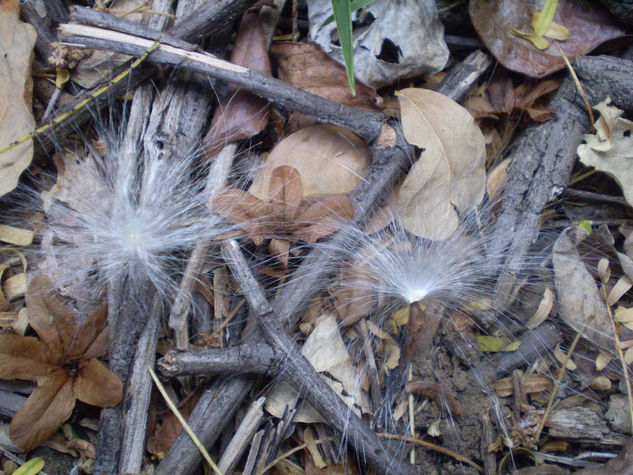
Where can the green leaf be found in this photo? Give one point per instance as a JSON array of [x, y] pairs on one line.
[[355, 5], [538, 41], [543, 20], [343, 17], [495, 344], [32, 467], [586, 225]]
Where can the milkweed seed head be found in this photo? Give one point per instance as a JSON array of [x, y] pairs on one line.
[[115, 219]]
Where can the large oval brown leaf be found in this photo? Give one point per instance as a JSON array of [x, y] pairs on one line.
[[16, 88], [47, 408], [589, 25], [329, 159], [451, 171]]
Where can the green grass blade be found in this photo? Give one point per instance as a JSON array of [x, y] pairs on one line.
[[545, 17], [343, 17]]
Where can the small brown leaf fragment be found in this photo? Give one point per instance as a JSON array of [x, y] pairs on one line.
[[502, 99], [48, 406], [438, 392], [422, 326], [577, 291], [532, 383]]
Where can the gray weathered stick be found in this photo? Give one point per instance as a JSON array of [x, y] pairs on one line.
[[258, 358], [242, 437], [543, 157], [139, 390]]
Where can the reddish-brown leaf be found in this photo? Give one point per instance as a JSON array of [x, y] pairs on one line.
[[285, 193], [244, 209], [308, 67], [49, 317], [589, 25], [280, 248], [97, 385], [242, 114], [50, 404], [24, 357], [91, 335], [502, 99], [323, 217]]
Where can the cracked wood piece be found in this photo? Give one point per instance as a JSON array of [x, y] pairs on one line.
[[242, 437], [257, 358], [543, 157]]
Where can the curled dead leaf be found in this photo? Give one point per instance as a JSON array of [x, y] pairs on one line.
[[450, 173]]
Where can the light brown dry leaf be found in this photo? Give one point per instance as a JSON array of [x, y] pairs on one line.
[[326, 352], [331, 160], [530, 383], [17, 236], [451, 171], [610, 150], [562, 357], [16, 88], [543, 310], [577, 291], [62, 362]]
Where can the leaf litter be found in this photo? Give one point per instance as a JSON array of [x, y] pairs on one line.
[[359, 335]]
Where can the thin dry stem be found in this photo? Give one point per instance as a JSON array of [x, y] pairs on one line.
[[183, 422]]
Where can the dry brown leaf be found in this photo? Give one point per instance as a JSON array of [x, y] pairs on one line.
[[242, 114], [324, 217], [306, 66], [450, 173], [283, 217], [61, 361], [589, 25], [610, 149], [16, 88], [329, 159], [577, 291], [47, 408], [503, 99]]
